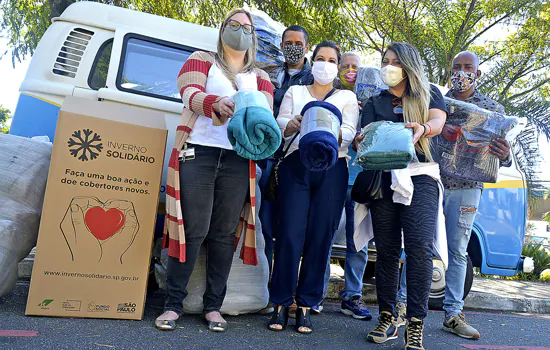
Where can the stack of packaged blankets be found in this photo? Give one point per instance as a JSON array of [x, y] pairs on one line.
[[24, 166], [368, 84], [387, 146], [269, 56], [463, 146]]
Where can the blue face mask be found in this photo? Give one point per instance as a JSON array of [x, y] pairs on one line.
[[237, 39]]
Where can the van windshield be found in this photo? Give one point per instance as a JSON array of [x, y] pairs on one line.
[[151, 68]]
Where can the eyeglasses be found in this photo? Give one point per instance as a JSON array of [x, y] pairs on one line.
[[235, 25]]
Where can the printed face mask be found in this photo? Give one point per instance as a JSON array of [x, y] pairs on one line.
[[293, 53], [324, 72], [237, 39], [391, 75], [348, 77], [463, 81]]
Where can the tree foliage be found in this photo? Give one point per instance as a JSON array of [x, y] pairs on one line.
[[516, 61], [5, 116]]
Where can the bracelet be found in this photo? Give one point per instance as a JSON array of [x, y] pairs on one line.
[[424, 133], [428, 125]]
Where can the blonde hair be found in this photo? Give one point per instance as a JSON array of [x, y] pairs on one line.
[[416, 99], [250, 55]]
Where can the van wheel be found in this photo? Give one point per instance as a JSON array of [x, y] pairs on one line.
[[437, 292]]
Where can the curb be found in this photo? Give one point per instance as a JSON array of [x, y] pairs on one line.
[[474, 301], [488, 301]]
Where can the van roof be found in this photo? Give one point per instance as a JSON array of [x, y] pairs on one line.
[[112, 17]]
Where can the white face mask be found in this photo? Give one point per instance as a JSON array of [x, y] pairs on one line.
[[391, 75], [324, 73]]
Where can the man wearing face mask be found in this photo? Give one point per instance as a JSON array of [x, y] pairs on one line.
[[462, 197], [297, 70], [348, 71]]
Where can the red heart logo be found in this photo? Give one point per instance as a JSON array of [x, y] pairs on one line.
[[104, 224]]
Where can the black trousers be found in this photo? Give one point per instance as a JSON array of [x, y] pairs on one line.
[[418, 222], [214, 187]]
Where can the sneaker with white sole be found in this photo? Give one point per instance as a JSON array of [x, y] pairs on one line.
[[457, 324], [385, 329], [316, 310], [401, 309], [413, 334], [356, 308]]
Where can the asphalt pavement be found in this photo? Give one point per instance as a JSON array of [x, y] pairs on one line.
[[333, 331]]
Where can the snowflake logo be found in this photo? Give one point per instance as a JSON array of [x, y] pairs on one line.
[[84, 146]]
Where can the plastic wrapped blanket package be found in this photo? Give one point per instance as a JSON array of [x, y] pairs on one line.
[[24, 165], [463, 146], [368, 83], [252, 131], [246, 287], [387, 146], [319, 133], [269, 56]]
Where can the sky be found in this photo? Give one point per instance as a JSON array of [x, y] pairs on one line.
[[10, 78]]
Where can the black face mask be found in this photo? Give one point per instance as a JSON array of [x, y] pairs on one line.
[[293, 53]]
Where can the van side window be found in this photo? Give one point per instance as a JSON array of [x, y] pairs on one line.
[[150, 67], [100, 68]]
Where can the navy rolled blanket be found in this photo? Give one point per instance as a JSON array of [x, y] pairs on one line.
[[320, 130]]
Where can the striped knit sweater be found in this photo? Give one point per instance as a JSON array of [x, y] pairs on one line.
[[192, 86]]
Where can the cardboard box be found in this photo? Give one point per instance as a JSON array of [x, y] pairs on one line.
[[98, 219]]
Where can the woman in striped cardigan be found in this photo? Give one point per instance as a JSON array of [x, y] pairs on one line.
[[209, 187]]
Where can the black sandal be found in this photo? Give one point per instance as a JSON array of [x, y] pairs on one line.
[[303, 320], [279, 317]]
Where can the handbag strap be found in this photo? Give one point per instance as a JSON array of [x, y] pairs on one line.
[[330, 93]]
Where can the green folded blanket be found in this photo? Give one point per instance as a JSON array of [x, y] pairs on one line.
[[387, 146], [253, 131]]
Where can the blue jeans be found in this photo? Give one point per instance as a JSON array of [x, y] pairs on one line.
[[402, 292], [460, 207], [268, 212], [356, 261]]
